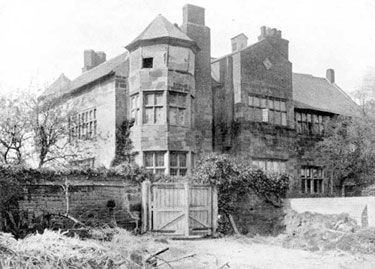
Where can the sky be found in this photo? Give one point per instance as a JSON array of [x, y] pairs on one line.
[[40, 39]]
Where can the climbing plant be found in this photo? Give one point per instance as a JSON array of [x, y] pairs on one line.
[[124, 144], [234, 178]]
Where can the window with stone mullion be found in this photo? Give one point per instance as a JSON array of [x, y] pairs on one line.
[[154, 162], [178, 163], [311, 180], [177, 108], [135, 108], [153, 108]]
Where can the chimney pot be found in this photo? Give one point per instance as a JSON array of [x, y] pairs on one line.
[[263, 31], [330, 75]]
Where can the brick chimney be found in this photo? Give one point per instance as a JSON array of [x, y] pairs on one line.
[[330, 75], [92, 58], [239, 42], [274, 36]]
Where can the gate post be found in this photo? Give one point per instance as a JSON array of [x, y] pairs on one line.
[[215, 210], [187, 200], [145, 190]]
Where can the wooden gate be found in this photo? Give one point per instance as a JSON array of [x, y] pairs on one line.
[[179, 208]]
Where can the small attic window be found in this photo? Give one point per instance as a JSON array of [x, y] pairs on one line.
[[147, 62]]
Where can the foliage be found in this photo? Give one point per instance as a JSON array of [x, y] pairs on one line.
[[234, 179], [14, 129], [126, 171], [348, 149], [50, 124], [124, 145]]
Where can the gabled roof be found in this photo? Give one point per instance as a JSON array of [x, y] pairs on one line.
[[160, 30], [60, 86], [99, 71], [63, 85], [317, 93]]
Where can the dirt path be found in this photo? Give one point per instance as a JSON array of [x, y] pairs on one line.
[[245, 253]]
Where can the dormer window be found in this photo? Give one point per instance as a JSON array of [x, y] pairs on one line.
[[147, 62]]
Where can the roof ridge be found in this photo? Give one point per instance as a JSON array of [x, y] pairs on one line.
[[235, 52], [101, 65], [346, 95]]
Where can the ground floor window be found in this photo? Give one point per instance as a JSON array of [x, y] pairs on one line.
[[178, 163], [270, 166], [311, 180], [154, 162]]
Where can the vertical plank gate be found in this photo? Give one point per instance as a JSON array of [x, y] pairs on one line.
[[179, 208]]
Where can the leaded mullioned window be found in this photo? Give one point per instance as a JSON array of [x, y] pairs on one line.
[[273, 110], [311, 180]]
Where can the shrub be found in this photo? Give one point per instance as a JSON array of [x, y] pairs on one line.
[[235, 178]]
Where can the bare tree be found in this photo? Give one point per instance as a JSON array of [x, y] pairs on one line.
[[14, 129], [50, 125]]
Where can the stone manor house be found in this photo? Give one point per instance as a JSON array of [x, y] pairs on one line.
[[185, 103]]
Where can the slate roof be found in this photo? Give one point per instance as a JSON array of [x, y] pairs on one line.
[[99, 71], [61, 85], [317, 93], [163, 31]]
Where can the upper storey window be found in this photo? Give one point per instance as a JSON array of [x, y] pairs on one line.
[[147, 62], [307, 123], [272, 110], [177, 108], [153, 108], [270, 166], [83, 125], [134, 106]]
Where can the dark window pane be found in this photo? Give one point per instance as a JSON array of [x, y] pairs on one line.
[[182, 159], [159, 159], [303, 185], [147, 62], [183, 172], [174, 172], [308, 182], [173, 159], [149, 162], [315, 186]]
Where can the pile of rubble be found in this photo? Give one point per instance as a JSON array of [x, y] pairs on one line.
[[314, 232]]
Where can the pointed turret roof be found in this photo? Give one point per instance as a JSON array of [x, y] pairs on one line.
[[162, 31]]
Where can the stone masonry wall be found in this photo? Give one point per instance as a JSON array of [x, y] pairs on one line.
[[88, 199], [254, 216]]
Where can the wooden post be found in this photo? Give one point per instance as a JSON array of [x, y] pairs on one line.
[[215, 210], [187, 201], [146, 186]]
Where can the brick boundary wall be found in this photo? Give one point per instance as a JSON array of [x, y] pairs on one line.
[[101, 198]]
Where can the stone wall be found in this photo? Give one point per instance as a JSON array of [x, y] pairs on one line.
[[102, 97], [255, 216], [89, 199]]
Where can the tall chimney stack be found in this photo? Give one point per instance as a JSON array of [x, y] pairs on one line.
[[330, 75], [92, 58]]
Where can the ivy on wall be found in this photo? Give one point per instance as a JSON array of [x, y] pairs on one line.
[[235, 178]]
